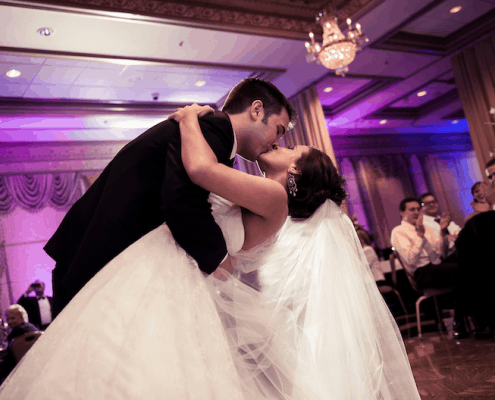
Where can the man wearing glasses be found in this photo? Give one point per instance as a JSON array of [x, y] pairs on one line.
[[431, 219]]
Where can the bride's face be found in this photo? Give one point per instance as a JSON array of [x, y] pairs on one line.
[[280, 159]]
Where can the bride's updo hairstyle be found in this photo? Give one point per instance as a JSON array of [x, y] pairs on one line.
[[318, 181]]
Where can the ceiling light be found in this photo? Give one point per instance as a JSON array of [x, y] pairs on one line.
[[455, 121], [455, 9], [383, 122], [421, 94], [200, 83], [328, 89], [336, 51], [45, 31], [13, 73], [135, 79]]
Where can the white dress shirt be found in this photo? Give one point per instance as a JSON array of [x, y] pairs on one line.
[[414, 251], [430, 222], [453, 229], [45, 310], [234, 148]]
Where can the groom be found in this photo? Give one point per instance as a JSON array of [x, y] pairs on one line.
[[146, 184]]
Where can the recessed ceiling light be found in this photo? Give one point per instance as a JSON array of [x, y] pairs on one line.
[[45, 31], [455, 121], [134, 79], [200, 83], [455, 9], [383, 122], [328, 89], [13, 73], [421, 94]]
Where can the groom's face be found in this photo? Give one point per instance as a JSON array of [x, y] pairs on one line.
[[264, 135]]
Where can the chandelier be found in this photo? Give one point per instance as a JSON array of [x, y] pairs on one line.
[[336, 51]]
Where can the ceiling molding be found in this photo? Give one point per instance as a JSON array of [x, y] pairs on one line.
[[398, 28], [27, 105], [471, 33], [414, 113], [429, 44], [20, 106], [380, 144], [397, 113], [414, 43], [267, 72], [291, 19], [375, 86], [459, 114], [439, 102]]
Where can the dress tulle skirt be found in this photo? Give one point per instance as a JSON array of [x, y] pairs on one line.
[[150, 325], [145, 327]]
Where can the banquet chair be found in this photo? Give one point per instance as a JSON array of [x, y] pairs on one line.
[[21, 344], [393, 288], [425, 293]]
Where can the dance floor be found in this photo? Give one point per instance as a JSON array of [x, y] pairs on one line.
[[447, 369]]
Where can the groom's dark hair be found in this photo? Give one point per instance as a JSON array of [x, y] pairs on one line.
[[250, 89]]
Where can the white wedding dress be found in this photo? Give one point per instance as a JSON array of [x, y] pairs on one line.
[[150, 325]]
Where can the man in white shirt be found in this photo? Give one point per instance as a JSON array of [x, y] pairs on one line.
[[39, 308], [431, 219], [422, 251]]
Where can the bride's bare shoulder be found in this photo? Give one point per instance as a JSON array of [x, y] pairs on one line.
[[257, 229]]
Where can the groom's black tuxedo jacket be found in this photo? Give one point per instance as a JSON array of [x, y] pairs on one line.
[[142, 187]]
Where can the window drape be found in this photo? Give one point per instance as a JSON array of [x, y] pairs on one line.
[[33, 192], [474, 71]]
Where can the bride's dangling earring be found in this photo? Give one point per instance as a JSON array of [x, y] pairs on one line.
[[291, 184]]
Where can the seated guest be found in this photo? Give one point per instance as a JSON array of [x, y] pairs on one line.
[[489, 192], [431, 219], [17, 319], [354, 220], [479, 202], [476, 256], [39, 308], [421, 252], [371, 257]]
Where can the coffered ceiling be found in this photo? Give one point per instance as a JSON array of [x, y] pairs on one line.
[[111, 68]]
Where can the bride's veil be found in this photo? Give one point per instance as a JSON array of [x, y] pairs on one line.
[[322, 329], [349, 344]]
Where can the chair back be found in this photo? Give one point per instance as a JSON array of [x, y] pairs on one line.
[[393, 269], [395, 256], [21, 344]]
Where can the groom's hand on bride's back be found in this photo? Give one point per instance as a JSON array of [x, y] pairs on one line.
[[196, 108]]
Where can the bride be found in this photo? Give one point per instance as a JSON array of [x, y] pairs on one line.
[[151, 325]]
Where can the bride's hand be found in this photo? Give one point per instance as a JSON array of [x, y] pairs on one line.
[[221, 274], [224, 270], [193, 109]]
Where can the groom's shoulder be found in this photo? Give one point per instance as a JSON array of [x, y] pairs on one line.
[[216, 120]]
